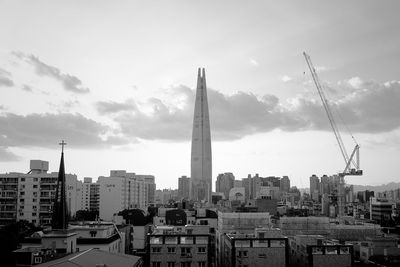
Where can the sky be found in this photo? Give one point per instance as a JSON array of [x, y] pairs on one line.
[[116, 81]]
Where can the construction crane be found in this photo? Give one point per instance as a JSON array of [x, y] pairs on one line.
[[352, 166]]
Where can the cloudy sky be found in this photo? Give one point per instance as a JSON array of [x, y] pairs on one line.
[[116, 79]]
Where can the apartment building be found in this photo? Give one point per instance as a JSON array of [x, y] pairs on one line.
[[89, 196], [178, 250], [29, 196], [123, 190], [316, 250], [266, 247]]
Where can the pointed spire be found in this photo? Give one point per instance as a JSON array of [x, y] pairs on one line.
[[199, 78], [204, 78], [60, 213]]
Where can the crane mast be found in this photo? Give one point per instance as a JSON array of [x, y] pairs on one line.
[[352, 166]]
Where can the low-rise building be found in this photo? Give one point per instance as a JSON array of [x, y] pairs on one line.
[[266, 247], [91, 257], [379, 247], [316, 250], [177, 249], [380, 210]]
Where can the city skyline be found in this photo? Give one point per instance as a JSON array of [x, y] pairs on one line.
[[117, 82]]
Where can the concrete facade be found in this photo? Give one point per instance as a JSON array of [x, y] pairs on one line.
[[224, 183], [29, 196], [122, 190]]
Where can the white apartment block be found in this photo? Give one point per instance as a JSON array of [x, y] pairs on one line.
[[88, 197], [29, 196], [123, 190]]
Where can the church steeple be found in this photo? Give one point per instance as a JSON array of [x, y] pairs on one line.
[[60, 211]]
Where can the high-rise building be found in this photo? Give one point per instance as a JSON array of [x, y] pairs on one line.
[[201, 161], [122, 190], [150, 188], [183, 187], [285, 184], [224, 183], [314, 187], [29, 196], [90, 195]]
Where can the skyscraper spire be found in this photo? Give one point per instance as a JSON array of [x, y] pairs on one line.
[[201, 164], [60, 213]]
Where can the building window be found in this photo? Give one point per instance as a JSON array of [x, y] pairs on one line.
[[156, 264], [21, 214], [185, 251], [201, 264], [156, 249], [242, 254], [21, 200], [35, 179], [185, 264], [171, 250], [34, 200], [22, 179], [35, 186], [21, 207], [171, 264], [201, 250], [33, 213], [22, 193], [262, 256]]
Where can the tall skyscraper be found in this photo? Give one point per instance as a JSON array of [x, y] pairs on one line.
[[285, 184], [183, 187], [224, 183], [314, 187], [201, 164]]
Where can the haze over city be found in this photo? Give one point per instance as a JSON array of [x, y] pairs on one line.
[[117, 81]]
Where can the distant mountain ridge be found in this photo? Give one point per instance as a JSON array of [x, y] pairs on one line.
[[377, 188]]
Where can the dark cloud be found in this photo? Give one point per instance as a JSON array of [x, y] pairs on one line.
[[45, 130], [114, 107], [5, 78], [27, 88], [6, 155], [69, 82], [366, 107]]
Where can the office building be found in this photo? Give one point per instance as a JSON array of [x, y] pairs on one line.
[[380, 210], [183, 187], [224, 183], [314, 187], [285, 184], [201, 159]]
